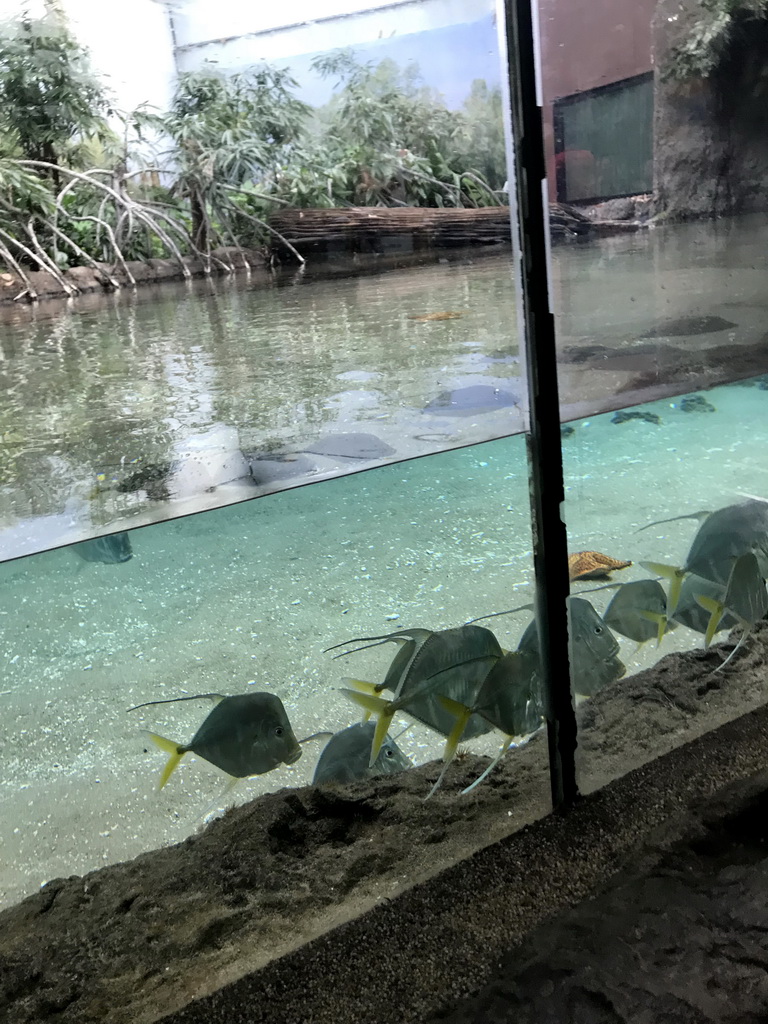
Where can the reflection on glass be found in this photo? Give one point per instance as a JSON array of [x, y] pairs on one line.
[[243, 602], [361, 145]]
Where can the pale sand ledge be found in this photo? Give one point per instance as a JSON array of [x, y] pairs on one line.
[[201, 920]]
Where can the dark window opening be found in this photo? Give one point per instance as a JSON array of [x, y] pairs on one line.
[[604, 141]]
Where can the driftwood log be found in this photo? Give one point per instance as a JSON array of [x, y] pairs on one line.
[[375, 229]]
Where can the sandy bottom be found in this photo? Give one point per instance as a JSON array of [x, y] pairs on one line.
[[249, 597]]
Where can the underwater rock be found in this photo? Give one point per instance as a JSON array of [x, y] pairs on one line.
[[635, 414], [689, 325], [467, 401], [151, 477], [424, 318], [696, 403]]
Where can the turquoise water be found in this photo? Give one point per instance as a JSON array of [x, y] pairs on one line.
[[248, 597]]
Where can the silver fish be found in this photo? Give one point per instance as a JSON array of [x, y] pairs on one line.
[[691, 613], [111, 550], [346, 755], [508, 699], [723, 537], [638, 611], [592, 648], [450, 662], [244, 735], [745, 597]]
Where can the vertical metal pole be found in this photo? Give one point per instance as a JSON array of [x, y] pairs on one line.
[[550, 551]]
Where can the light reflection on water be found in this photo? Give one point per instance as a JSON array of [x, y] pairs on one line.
[[138, 410]]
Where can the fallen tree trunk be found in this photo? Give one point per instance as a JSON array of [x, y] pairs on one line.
[[372, 229]]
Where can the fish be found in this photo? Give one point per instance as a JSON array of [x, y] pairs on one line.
[[592, 649], [745, 597], [508, 698], [638, 611], [245, 735], [686, 326], [689, 612], [450, 662], [471, 400], [111, 550], [351, 445], [345, 757], [722, 538]]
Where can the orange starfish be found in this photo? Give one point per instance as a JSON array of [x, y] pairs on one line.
[[591, 565]]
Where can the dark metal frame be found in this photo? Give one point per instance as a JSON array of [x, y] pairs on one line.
[[558, 126], [550, 551]]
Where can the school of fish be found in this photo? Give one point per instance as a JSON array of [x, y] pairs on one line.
[[461, 683]]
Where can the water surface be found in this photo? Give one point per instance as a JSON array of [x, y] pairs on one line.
[[144, 407]]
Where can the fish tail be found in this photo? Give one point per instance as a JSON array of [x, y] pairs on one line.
[[716, 611], [171, 748], [362, 686], [378, 706], [660, 619], [673, 573], [504, 748], [462, 714]]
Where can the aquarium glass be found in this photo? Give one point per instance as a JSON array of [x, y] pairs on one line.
[[660, 311], [238, 601], [210, 489], [358, 161]]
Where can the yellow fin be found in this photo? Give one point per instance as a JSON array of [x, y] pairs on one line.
[[363, 687], [378, 706], [171, 748], [716, 611], [673, 573], [660, 619], [463, 715]]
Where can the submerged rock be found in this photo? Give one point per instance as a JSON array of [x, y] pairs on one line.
[[636, 414], [696, 403]]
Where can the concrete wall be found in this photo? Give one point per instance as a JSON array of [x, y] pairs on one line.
[[452, 41]]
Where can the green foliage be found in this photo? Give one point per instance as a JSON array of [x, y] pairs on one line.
[[387, 139], [228, 130], [49, 99], [706, 46], [74, 190]]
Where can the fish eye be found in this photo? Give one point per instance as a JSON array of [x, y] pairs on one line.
[[279, 730], [389, 753], [598, 630]]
